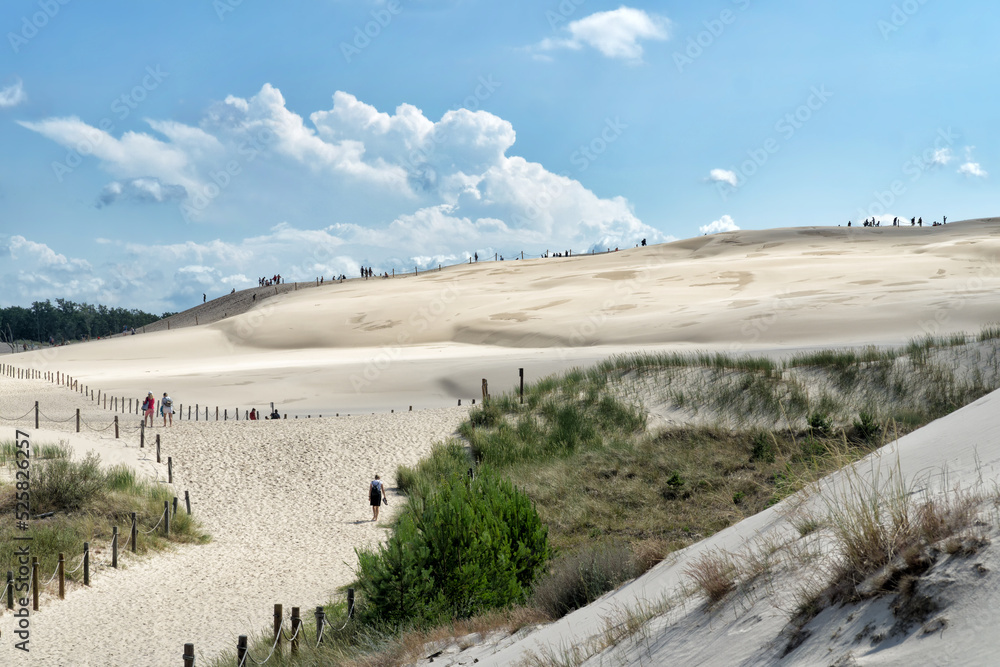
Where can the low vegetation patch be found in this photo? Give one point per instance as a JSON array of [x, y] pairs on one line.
[[616, 497], [84, 502]]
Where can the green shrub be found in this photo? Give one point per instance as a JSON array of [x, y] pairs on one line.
[[867, 427], [579, 578], [820, 425], [763, 448], [471, 545], [65, 485]]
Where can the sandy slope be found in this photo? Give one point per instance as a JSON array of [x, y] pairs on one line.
[[960, 450], [429, 340], [283, 500]]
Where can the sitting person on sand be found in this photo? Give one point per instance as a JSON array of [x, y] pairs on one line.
[[253, 414]]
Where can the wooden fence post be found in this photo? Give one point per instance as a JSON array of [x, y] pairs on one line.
[[350, 603], [34, 583], [175, 506], [225, 415], [320, 620], [62, 576], [135, 533], [241, 651], [296, 628], [166, 517], [216, 413], [86, 563], [520, 373], [116, 427], [142, 433], [196, 411], [36, 415], [114, 547], [170, 470], [187, 501], [277, 628], [157, 447], [486, 390], [10, 588], [78, 420], [189, 655]]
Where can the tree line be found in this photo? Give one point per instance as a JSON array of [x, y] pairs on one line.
[[66, 320]]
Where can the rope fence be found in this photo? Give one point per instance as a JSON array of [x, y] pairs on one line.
[[133, 407], [295, 634], [87, 561]]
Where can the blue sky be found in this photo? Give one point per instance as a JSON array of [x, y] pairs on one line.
[[150, 152]]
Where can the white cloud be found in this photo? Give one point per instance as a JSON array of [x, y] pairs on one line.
[[140, 190], [942, 156], [723, 224], [973, 169], [355, 185], [724, 176], [616, 33], [12, 95]]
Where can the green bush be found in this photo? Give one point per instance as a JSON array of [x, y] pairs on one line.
[[65, 485], [469, 546], [820, 425], [579, 578], [763, 448], [867, 427]]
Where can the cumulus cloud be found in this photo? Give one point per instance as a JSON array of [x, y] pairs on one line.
[[12, 95], [349, 185], [616, 33], [723, 176], [723, 224]]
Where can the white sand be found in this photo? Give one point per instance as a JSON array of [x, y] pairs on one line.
[[283, 501]]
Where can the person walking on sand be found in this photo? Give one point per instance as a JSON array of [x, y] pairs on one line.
[[375, 491], [167, 408], [148, 406]]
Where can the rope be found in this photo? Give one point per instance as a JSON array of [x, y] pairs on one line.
[[147, 532], [51, 419], [277, 638], [295, 634], [52, 577], [98, 430], [30, 410], [79, 565], [2, 595]]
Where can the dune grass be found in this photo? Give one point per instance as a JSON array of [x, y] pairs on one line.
[[87, 501], [617, 497]]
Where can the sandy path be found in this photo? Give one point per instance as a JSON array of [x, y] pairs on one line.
[[285, 503]]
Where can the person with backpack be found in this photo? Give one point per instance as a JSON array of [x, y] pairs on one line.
[[167, 408], [376, 496]]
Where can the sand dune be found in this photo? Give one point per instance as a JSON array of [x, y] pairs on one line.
[[429, 340], [282, 500]]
